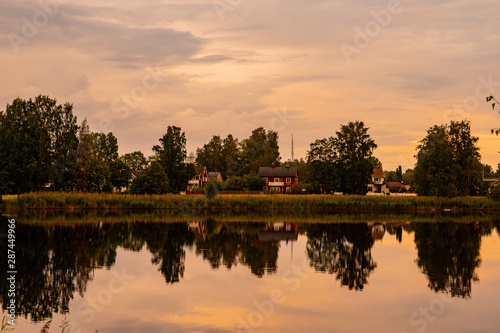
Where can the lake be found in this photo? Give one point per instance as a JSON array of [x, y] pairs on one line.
[[276, 274]]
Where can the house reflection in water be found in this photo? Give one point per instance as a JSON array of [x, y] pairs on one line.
[[198, 229], [378, 230], [279, 231]]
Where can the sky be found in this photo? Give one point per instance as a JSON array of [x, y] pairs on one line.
[[299, 67]]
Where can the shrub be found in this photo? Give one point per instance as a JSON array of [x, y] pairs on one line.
[[211, 190], [495, 193]]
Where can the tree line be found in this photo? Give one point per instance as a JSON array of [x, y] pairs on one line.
[[42, 147]]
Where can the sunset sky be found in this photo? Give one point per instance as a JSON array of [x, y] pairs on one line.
[[300, 67]]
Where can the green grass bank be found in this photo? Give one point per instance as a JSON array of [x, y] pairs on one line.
[[232, 202]]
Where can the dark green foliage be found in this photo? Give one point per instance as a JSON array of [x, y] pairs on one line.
[[343, 163], [120, 173], [495, 193], [106, 146], [355, 148], [448, 161], [250, 182], [321, 159], [36, 138], [220, 155], [135, 161], [260, 149], [82, 171], [154, 180], [211, 190], [254, 182], [171, 153]]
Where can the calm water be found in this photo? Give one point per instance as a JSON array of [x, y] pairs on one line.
[[210, 276]]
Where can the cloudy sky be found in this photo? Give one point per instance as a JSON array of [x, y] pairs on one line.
[[301, 67]]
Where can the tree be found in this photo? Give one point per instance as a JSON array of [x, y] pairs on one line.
[[212, 155], [82, 171], [321, 159], [489, 99], [120, 173], [211, 189], [106, 146], [448, 161], [399, 174], [391, 176], [466, 157], [154, 180], [254, 182], [260, 149], [135, 161], [171, 153], [36, 137], [354, 148], [231, 154], [409, 177]]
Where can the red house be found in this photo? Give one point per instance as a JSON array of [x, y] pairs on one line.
[[200, 178], [279, 179]]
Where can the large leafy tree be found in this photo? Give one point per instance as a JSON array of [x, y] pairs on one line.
[[171, 153], [344, 162], [153, 180], [82, 171], [354, 147], [321, 159], [36, 137], [212, 155], [221, 155], [448, 161], [135, 161], [260, 149]]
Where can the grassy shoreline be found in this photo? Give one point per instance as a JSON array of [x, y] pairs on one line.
[[244, 202]]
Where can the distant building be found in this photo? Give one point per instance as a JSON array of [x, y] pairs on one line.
[[279, 179], [200, 178], [215, 176], [377, 183]]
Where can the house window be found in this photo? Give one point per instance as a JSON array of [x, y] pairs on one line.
[[276, 180], [288, 180], [289, 189]]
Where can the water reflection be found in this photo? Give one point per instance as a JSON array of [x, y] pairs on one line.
[[56, 262], [449, 255]]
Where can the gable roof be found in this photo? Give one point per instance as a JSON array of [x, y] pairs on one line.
[[199, 170], [278, 172], [394, 184], [213, 174], [378, 173]]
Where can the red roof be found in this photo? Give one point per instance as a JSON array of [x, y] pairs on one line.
[[378, 173]]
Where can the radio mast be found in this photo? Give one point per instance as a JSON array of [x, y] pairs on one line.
[[292, 149]]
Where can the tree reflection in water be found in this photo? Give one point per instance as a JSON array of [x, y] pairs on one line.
[[55, 262], [448, 253], [342, 249], [235, 243]]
